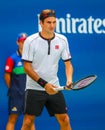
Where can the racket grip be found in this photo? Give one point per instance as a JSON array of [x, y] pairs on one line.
[[60, 88]]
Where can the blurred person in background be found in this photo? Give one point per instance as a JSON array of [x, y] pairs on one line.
[[15, 79]]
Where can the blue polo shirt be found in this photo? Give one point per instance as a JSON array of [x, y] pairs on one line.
[[14, 66]]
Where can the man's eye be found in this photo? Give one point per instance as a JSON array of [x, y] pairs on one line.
[[49, 22]]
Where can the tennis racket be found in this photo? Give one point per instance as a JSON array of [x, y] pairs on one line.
[[80, 84]]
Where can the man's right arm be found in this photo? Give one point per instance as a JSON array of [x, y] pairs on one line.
[[8, 70], [7, 78], [29, 70], [49, 88]]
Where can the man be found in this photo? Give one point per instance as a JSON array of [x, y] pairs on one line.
[[41, 54], [15, 79]]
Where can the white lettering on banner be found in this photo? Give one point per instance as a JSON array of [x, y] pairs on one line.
[[79, 25]]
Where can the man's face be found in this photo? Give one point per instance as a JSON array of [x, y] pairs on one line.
[[20, 44], [48, 25]]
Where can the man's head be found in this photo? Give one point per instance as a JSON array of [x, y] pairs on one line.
[[21, 37], [48, 22], [20, 40]]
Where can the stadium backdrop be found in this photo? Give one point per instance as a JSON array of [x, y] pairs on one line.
[[83, 22]]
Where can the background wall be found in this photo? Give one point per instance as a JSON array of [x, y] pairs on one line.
[[86, 107]]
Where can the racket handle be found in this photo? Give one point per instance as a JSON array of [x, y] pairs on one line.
[[60, 88]]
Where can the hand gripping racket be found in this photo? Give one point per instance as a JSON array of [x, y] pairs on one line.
[[80, 84]]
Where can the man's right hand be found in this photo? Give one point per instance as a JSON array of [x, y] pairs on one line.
[[50, 89]]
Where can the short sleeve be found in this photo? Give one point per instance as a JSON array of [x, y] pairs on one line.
[[9, 65], [27, 53], [66, 55]]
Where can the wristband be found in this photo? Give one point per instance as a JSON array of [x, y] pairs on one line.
[[42, 82]]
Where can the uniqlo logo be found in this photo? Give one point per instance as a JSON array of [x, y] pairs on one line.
[[56, 46]]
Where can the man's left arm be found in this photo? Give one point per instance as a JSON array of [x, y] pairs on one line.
[[69, 72]]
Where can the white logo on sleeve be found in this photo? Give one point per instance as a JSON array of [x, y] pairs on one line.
[[7, 67]]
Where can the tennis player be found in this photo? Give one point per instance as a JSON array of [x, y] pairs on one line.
[[41, 54], [15, 79]]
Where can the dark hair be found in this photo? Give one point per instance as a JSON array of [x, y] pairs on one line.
[[47, 13]]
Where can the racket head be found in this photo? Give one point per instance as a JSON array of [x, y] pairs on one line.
[[84, 82]]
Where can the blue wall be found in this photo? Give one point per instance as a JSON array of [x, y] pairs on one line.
[[87, 45]]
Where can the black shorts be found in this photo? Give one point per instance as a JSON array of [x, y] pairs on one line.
[[36, 100]]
